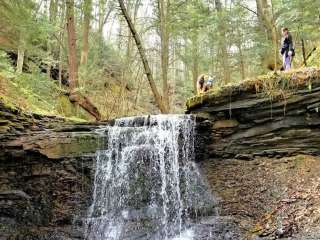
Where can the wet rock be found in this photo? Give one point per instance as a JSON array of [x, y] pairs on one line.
[[46, 174]]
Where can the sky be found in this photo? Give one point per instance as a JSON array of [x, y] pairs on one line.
[[111, 29]]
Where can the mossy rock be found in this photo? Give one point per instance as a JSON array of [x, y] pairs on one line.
[[271, 85], [76, 144]]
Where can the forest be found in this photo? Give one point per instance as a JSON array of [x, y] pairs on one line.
[[159, 119], [101, 59]]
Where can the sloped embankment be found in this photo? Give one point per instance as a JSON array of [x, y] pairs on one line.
[[260, 150]]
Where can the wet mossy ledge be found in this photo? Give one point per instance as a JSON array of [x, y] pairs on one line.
[[273, 115], [270, 88], [52, 136]]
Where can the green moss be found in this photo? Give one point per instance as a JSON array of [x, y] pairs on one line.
[[272, 85], [71, 111], [65, 107], [34, 93], [76, 120], [76, 145]]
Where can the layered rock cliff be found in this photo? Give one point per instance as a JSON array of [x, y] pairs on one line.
[[272, 116], [259, 148], [45, 175], [257, 145]]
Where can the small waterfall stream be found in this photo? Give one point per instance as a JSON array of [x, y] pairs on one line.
[[146, 184]]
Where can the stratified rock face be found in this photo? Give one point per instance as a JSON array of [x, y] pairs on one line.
[[258, 145], [47, 167], [46, 182], [46, 176], [246, 121]]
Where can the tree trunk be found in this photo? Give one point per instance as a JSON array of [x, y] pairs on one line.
[[102, 5], [143, 56], [53, 8], [72, 54], [195, 61], [103, 15], [75, 97], [242, 63], [85, 34], [130, 39], [165, 37], [304, 52], [61, 39], [266, 18], [20, 59], [223, 47]]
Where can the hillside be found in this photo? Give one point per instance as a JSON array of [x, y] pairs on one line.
[[34, 92]]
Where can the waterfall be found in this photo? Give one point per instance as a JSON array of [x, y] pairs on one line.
[[147, 185]]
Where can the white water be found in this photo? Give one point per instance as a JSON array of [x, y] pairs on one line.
[[146, 183]]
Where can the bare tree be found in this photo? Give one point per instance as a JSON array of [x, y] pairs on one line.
[[266, 17], [223, 47], [75, 97], [143, 57], [85, 34], [20, 60], [164, 8], [72, 54], [195, 60]]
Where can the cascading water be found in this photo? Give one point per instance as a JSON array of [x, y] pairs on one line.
[[146, 184]]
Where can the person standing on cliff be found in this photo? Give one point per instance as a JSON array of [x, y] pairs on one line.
[[201, 84], [287, 49]]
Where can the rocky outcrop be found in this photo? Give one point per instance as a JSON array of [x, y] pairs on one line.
[[258, 146], [47, 164], [46, 175], [273, 116]]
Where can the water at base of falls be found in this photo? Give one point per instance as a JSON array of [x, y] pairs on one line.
[[146, 184]]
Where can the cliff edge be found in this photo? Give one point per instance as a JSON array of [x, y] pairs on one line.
[[258, 146]]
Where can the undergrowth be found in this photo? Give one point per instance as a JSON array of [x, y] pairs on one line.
[[34, 92]]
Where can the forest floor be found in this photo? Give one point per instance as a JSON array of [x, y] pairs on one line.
[[37, 95], [33, 92], [270, 198]]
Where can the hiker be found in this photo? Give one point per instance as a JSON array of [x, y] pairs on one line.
[[209, 84], [201, 84], [287, 49]]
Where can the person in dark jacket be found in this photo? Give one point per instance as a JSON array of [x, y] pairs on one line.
[[287, 49], [201, 84]]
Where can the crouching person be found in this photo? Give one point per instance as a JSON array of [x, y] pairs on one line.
[[209, 83]]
